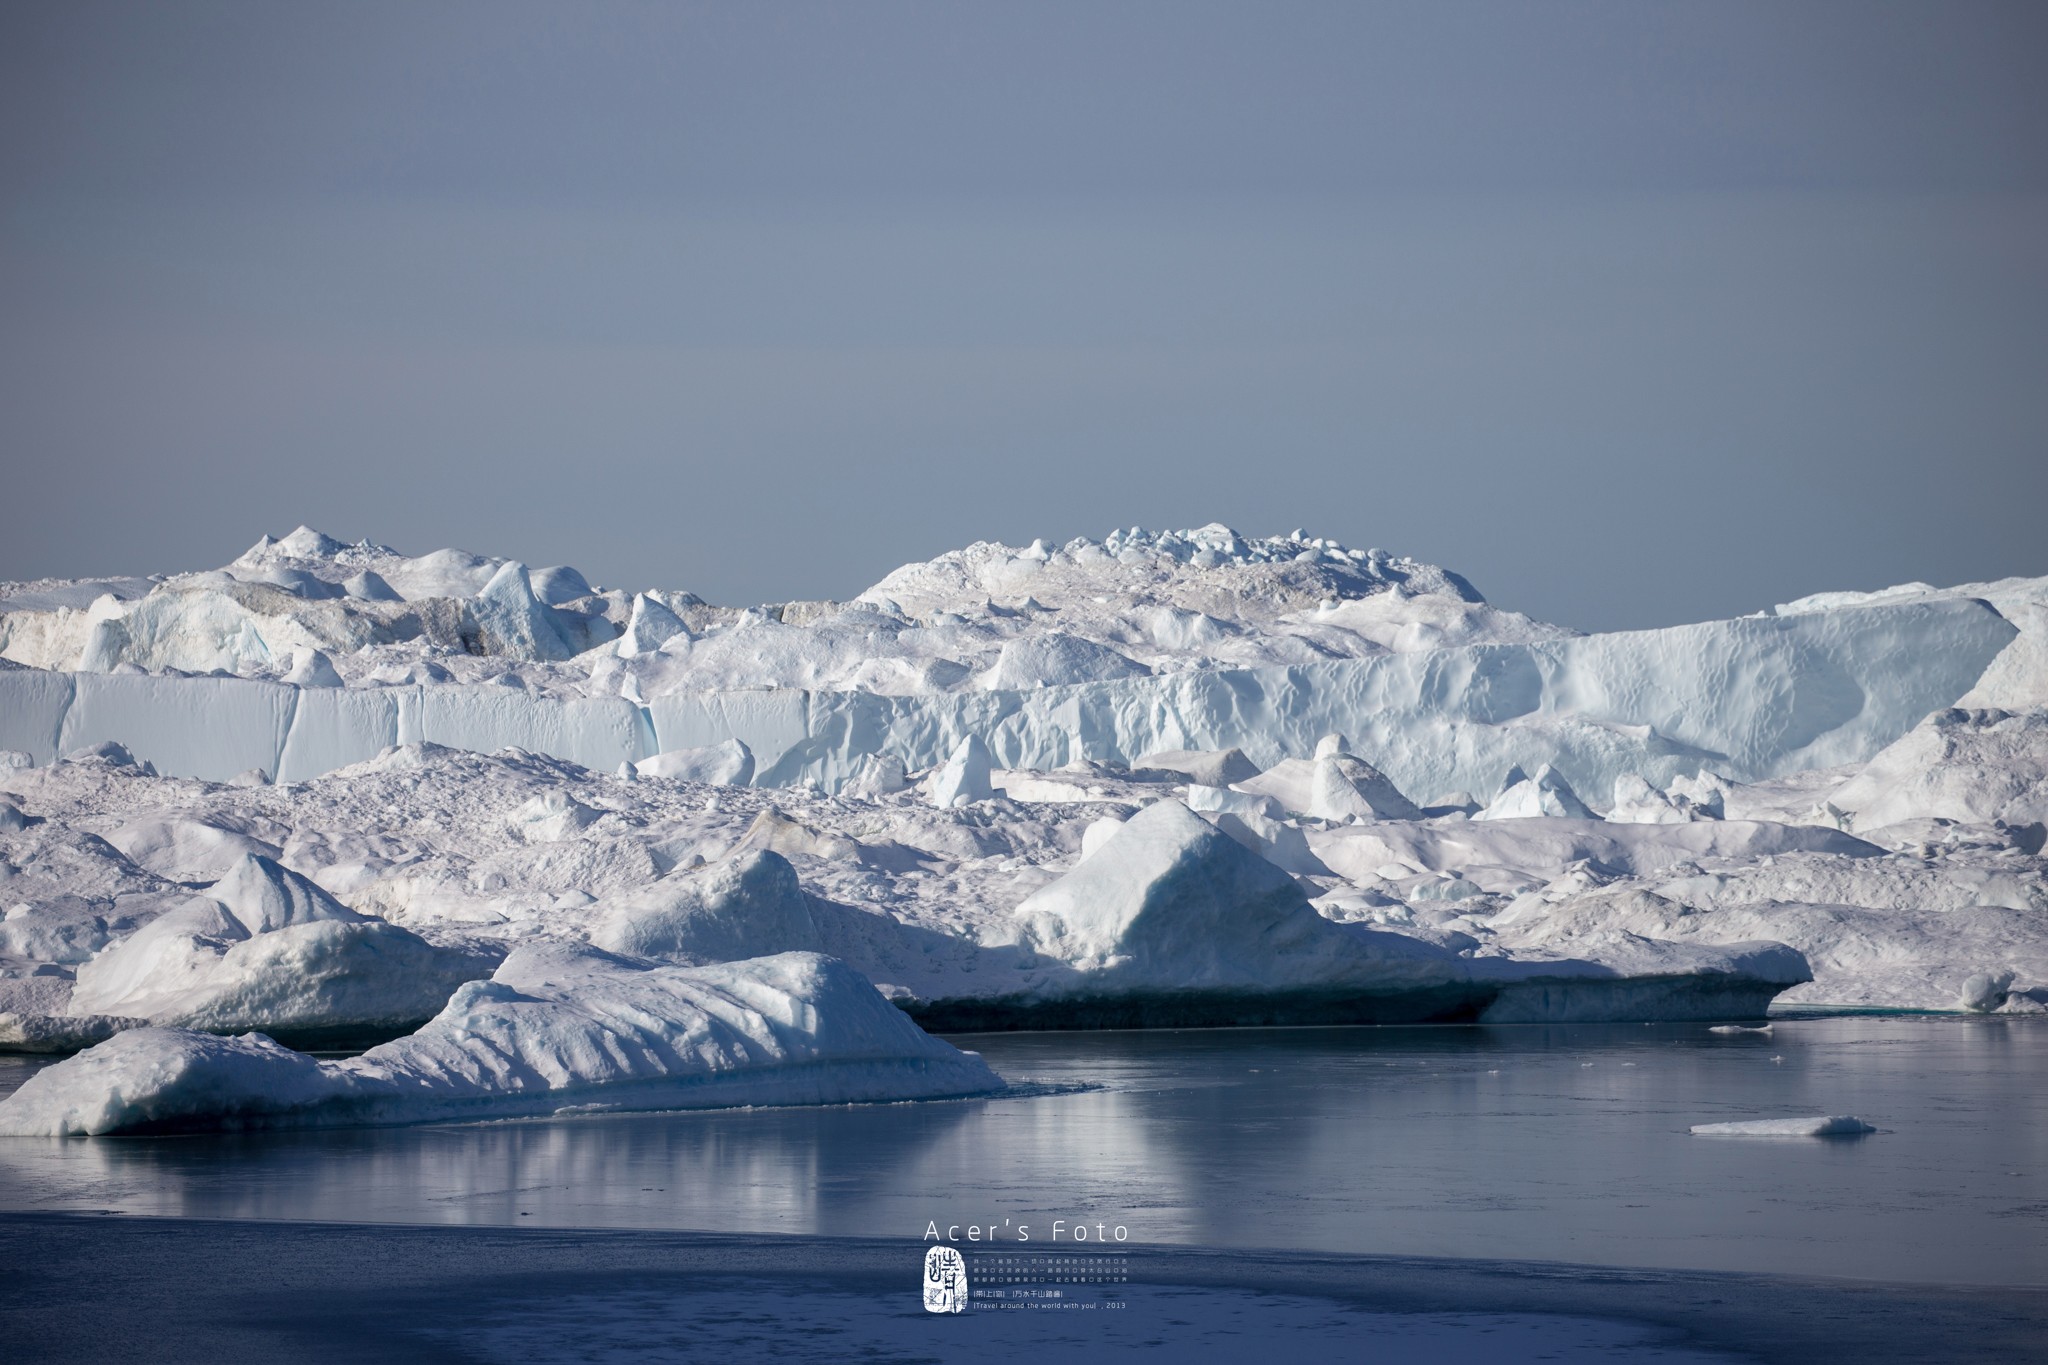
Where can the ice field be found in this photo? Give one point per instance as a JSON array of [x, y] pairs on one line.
[[563, 848]]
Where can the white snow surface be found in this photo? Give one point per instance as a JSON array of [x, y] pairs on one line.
[[555, 1030]]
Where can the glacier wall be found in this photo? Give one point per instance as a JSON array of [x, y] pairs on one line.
[[1750, 698]]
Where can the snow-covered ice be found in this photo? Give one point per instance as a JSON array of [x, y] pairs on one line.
[[1546, 793], [1139, 644], [963, 778], [266, 948], [556, 1030], [727, 764], [1159, 777], [748, 904], [1965, 767]]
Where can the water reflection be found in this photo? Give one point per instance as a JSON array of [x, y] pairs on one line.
[[1563, 1143]]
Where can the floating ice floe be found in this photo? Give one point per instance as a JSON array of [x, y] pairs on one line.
[[554, 1031], [1838, 1125], [1913, 956], [1985, 991], [59, 1032]]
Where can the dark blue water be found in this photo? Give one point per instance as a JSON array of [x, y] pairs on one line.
[[1550, 1144], [726, 1320]]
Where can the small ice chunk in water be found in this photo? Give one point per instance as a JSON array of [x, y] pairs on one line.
[[1985, 991], [1837, 1125]]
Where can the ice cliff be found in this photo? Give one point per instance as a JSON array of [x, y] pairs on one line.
[[1752, 698]]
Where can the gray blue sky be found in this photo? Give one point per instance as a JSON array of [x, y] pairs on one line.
[[1632, 312]]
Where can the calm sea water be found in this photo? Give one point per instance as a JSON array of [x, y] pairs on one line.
[[1536, 1143]]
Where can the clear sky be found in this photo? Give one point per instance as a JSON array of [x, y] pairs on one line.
[[1632, 312]]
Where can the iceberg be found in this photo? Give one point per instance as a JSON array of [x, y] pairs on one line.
[[814, 693], [312, 668], [58, 1032], [554, 1031], [1636, 802], [1335, 785], [964, 777], [876, 775], [1208, 768], [1542, 846], [1912, 957], [1169, 901], [1976, 767], [185, 850], [551, 817], [651, 626], [729, 764], [1343, 787], [266, 948], [1156, 741], [1056, 660], [1171, 922], [749, 904], [511, 619], [369, 586], [560, 585], [1545, 794]]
